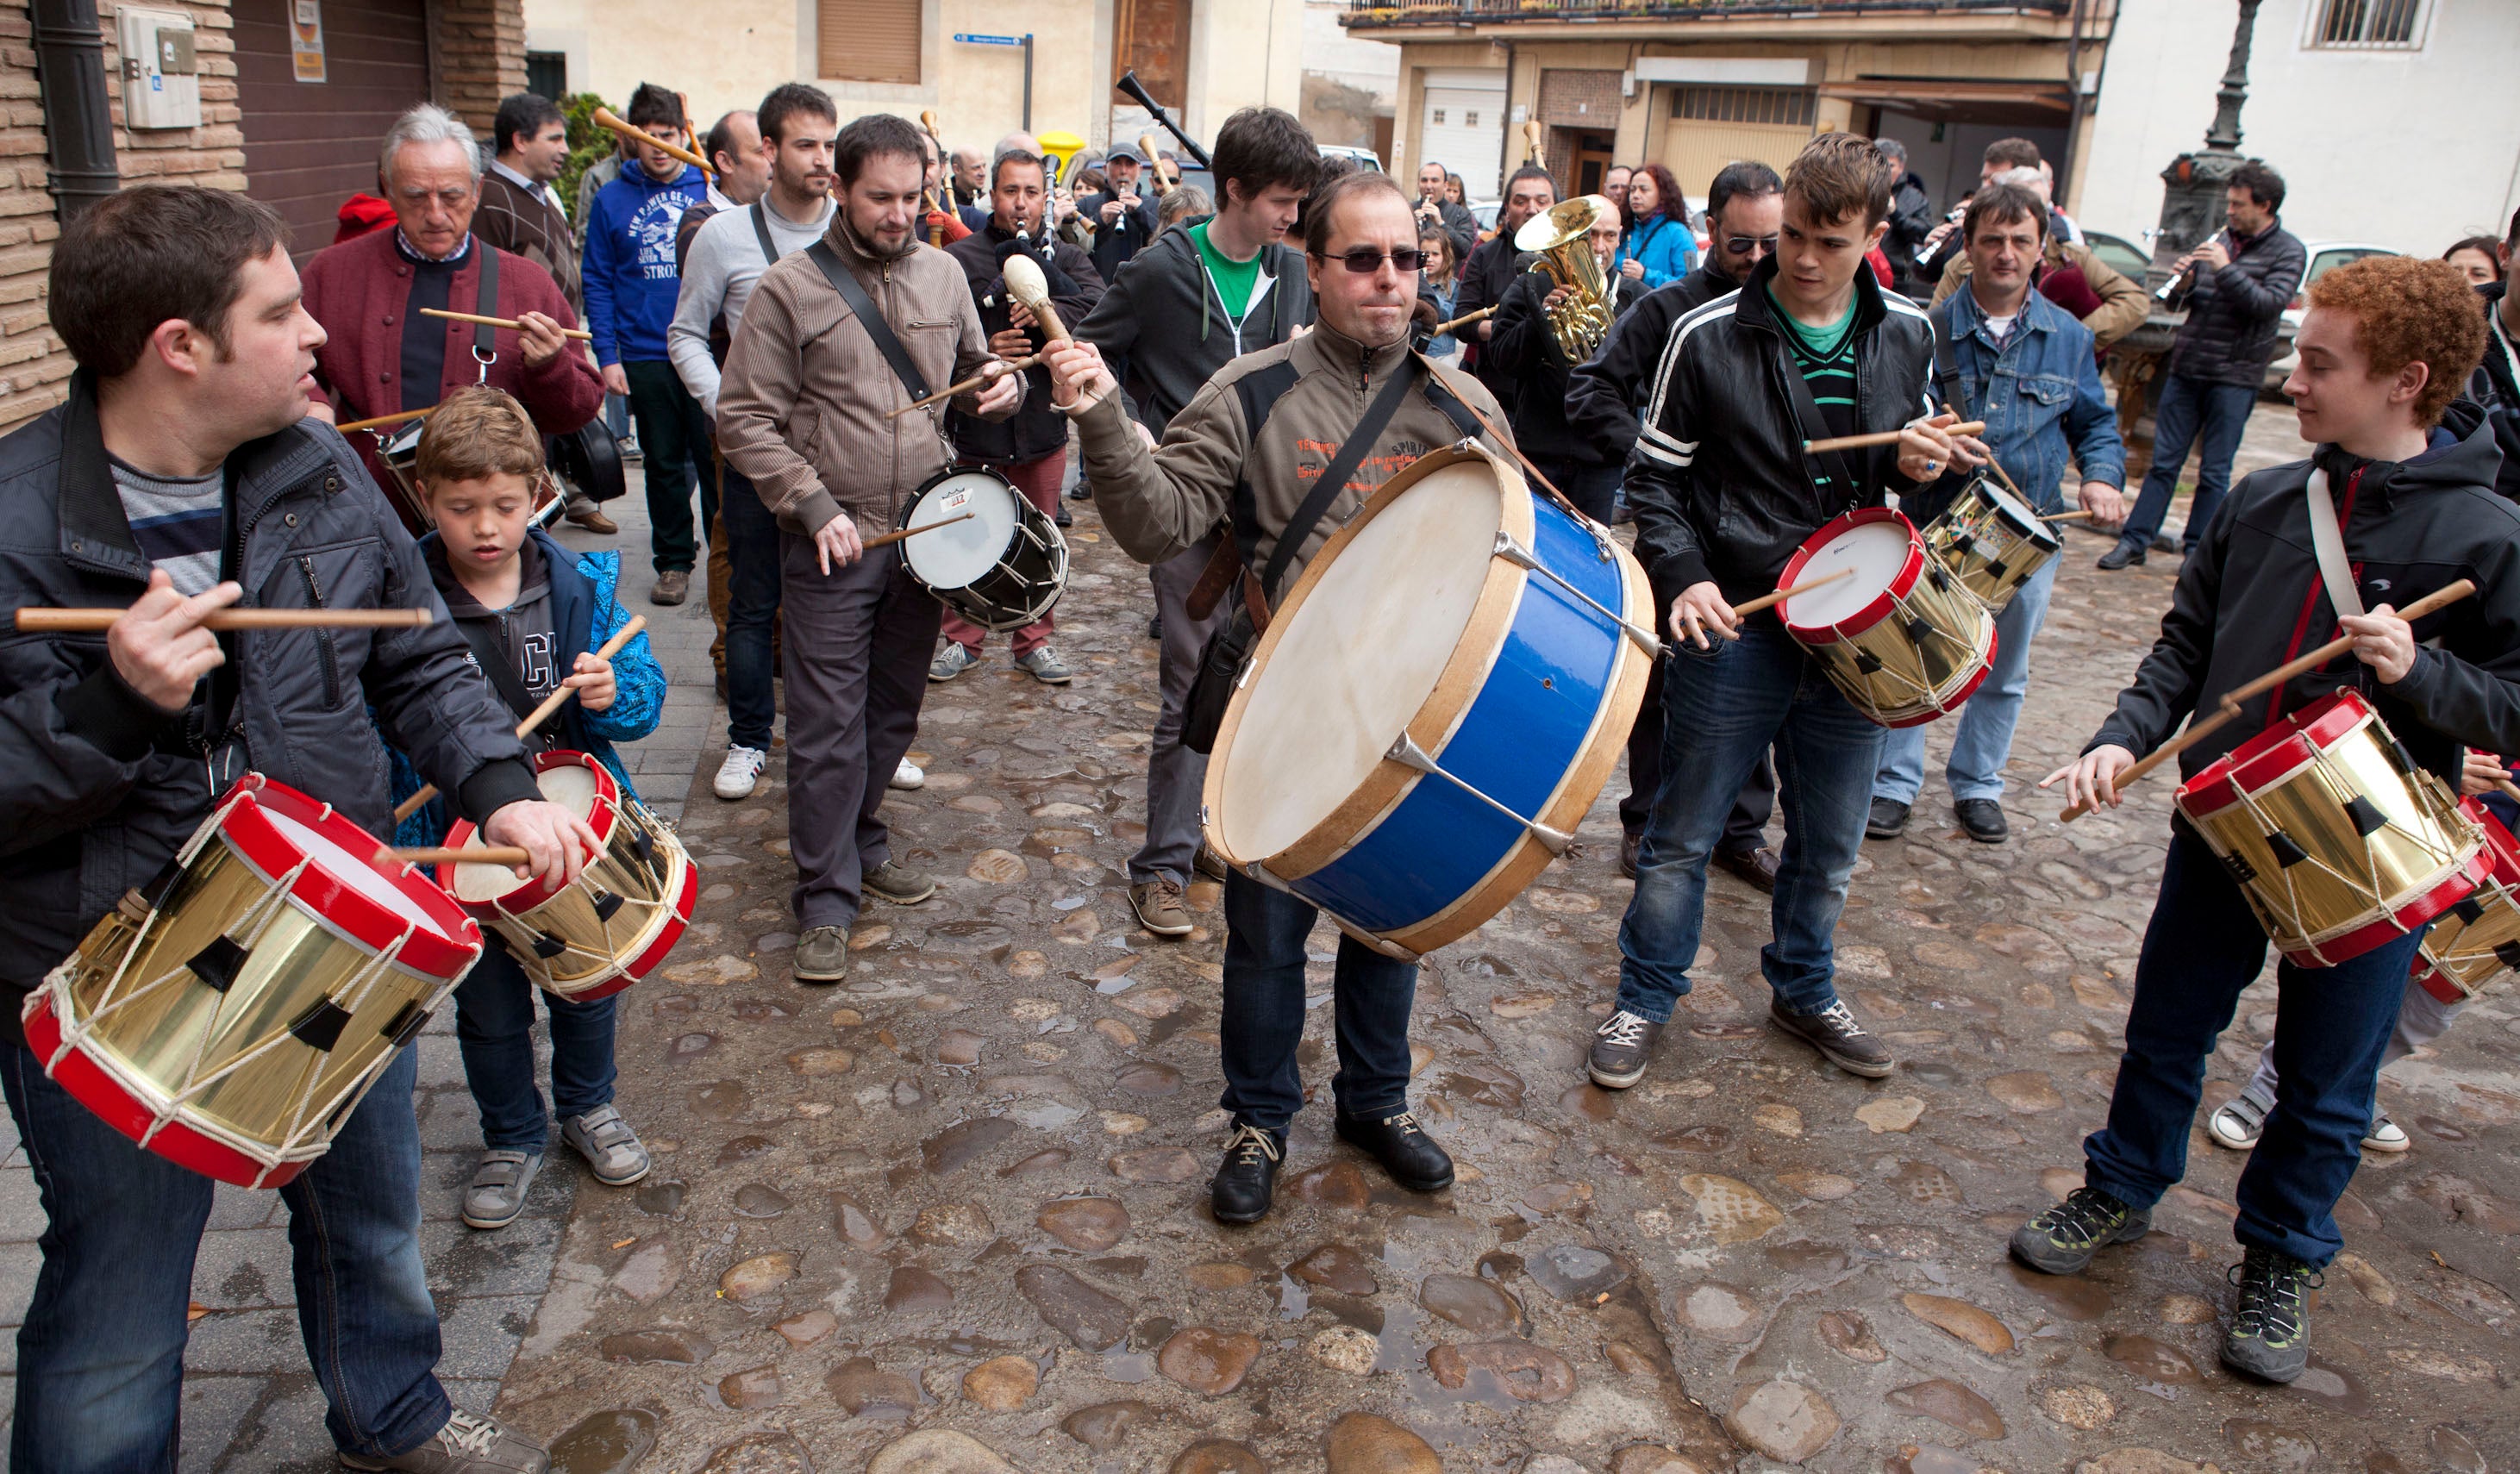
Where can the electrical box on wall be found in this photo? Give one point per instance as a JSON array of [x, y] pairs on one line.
[[162, 82]]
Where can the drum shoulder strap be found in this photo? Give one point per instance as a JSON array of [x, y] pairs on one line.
[[836, 272], [2327, 543], [762, 233], [1947, 372], [1441, 396], [1333, 477], [485, 302]]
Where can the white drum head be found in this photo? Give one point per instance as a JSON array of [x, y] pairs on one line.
[[2011, 509], [354, 872], [571, 786], [1875, 551], [956, 557], [1358, 659]]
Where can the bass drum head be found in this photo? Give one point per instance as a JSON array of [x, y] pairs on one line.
[[960, 556], [1358, 659], [1875, 550]]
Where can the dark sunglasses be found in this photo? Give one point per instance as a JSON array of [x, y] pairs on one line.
[[1364, 260], [1740, 245]]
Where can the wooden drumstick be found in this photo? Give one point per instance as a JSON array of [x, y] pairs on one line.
[[374, 421], [889, 538], [2240, 695], [2067, 516], [2510, 790], [1003, 367], [1887, 437], [580, 334], [88, 621], [540, 714], [1993, 464], [604, 119], [1464, 319], [1164, 180], [1765, 600], [1027, 285], [437, 854]]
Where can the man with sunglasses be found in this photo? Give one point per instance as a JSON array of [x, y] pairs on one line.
[[1744, 208], [1249, 451]]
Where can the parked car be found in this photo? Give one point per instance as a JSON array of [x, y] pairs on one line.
[[2324, 256], [1364, 159], [2119, 253]]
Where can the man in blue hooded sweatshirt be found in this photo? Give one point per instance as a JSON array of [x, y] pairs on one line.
[[631, 282]]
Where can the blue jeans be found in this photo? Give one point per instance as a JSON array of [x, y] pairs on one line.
[[752, 609], [1262, 1019], [101, 1357], [494, 1027], [1721, 710], [674, 442], [2189, 409], [1985, 737], [2332, 1025]]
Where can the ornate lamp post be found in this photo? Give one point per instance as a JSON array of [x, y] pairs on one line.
[[2192, 197]]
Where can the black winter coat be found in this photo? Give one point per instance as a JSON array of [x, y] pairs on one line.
[[2250, 597], [103, 787], [1490, 270], [2233, 311], [1524, 347], [1117, 242], [1037, 427], [1604, 391], [2495, 390]]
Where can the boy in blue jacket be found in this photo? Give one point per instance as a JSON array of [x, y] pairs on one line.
[[533, 613], [631, 280]]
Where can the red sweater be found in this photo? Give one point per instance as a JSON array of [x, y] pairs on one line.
[[358, 290]]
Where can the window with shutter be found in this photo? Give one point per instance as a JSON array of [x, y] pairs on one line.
[[868, 40]]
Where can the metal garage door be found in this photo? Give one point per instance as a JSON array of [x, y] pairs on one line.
[[1463, 127], [309, 146]]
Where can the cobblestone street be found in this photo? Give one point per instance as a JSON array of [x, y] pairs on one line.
[[949, 1216]]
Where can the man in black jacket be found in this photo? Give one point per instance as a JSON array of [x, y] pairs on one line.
[[1492, 267], [181, 476], [1603, 396], [1436, 210], [1201, 297], [1526, 348], [1911, 220], [2495, 386], [2235, 287], [2384, 346], [1030, 448], [1723, 494], [1123, 220]]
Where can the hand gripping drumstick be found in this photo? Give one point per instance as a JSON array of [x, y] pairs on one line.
[[604, 119], [2232, 700], [996, 370], [88, 621], [890, 538], [580, 334], [510, 855], [540, 714], [1766, 600]]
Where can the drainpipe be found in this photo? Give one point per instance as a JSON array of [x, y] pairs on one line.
[[2073, 119], [78, 126], [1505, 142]]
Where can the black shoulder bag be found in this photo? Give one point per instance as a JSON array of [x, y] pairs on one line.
[[1229, 651], [846, 284]]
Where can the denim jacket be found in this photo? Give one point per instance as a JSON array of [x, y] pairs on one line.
[[2040, 396]]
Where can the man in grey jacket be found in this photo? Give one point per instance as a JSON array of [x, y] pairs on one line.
[[182, 477]]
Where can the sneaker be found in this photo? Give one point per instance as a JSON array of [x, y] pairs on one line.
[[467, 1444], [582, 512], [2063, 1239], [1248, 1179], [610, 1148], [951, 661], [1407, 1155], [898, 884], [2124, 555], [2269, 1336], [1208, 861], [1046, 667], [498, 1190], [1887, 821], [907, 775], [821, 955], [1621, 1045], [2386, 1136], [1840, 1040], [2238, 1122], [741, 772], [1981, 820], [1159, 909], [673, 586]]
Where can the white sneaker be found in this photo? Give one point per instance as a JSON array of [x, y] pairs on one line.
[[2385, 1136], [908, 775], [2240, 1121], [738, 776]]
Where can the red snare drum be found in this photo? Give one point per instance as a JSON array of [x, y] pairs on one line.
[[2480, 936], [1899, 634]]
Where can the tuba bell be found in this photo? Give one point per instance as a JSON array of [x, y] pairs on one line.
[[1562, 238]]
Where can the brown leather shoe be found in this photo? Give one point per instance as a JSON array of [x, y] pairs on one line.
[[582, 512], [1757, 868], [673, 586]]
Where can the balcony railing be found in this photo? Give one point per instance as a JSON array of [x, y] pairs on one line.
[[1375, 13]]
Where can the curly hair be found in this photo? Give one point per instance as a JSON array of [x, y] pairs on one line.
[[1666, 192], [2409, 310], [474, 433]]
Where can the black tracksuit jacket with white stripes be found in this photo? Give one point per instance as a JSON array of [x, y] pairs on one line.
[[1718, 480]]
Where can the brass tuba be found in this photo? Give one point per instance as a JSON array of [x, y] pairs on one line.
[[1562, 240]]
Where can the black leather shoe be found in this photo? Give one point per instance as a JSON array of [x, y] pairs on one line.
[[1243, 1185], [1628, 845], [2124, 555], [1405, 1151], [1756, 867], [1065, 518], [1981, 820], [1887, 821]]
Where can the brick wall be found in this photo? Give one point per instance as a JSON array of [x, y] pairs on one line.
[[33, 366], [480, 57], [1572, 98]]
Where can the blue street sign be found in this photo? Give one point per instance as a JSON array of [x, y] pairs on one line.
[[990, 40]]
